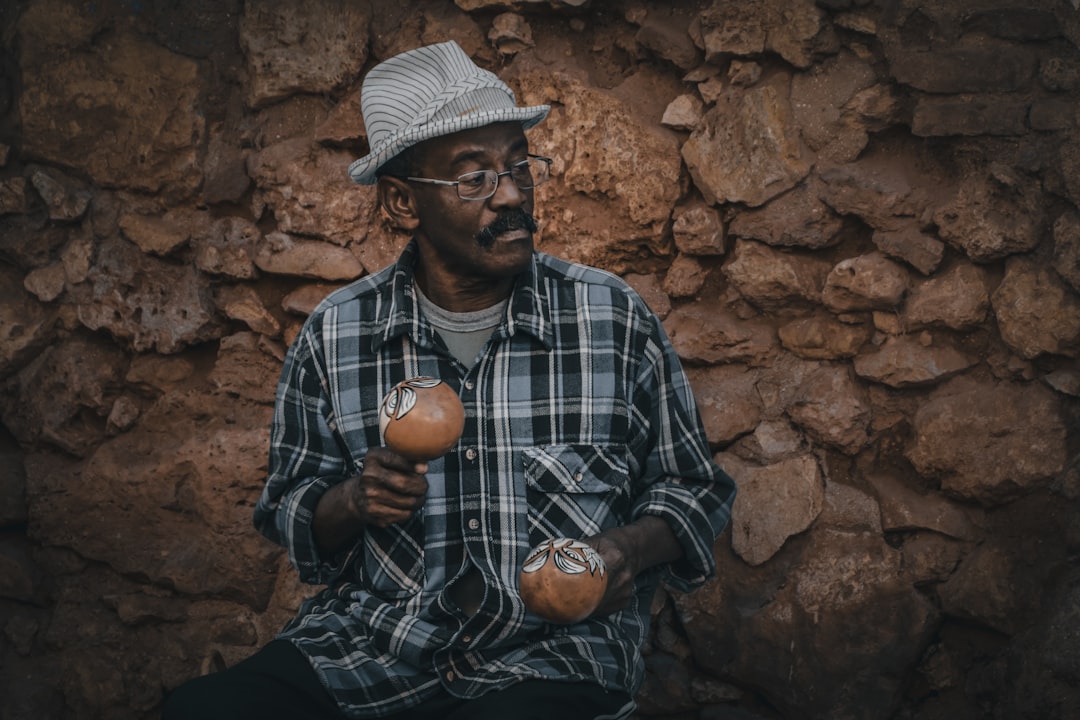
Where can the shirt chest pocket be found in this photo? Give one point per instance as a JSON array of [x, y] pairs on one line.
[[576, 490]]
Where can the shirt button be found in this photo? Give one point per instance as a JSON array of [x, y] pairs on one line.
[[469, 385], [471, 453], [474, 524], [449, 676], [466, 639], [578, 477]]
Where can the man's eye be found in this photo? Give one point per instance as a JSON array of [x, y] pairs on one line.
[[474, 179]]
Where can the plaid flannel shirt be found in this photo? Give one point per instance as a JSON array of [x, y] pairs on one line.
[[578, 419]]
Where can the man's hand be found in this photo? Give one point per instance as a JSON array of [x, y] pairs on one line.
[[390, 489], [628, 550]]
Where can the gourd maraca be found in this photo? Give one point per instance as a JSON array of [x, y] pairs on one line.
[[421, 418], [563, 580]]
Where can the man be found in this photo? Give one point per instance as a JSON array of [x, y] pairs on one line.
[[579, 423]]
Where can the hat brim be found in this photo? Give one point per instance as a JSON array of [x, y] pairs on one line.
[[363, 171]]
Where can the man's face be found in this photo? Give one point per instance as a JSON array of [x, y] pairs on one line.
[[475, 239]]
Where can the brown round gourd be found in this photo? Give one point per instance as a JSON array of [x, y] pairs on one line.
[[421, 418], [563, 580]]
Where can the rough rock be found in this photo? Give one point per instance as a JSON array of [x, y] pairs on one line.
[[226, 248], [797, 218], [1045, 657], [316, 49], [46, 283], [967, 438], [282, 254], [819, 100], [727, 400], [823, 337], [239, 302], [774, 503], [786, 28], [309, 193], [918, 249], [698, 230], [143, 302], [846, 585], [907, 360], [156, 374], [832, 409], [744, 150], [770, 278], [162, 234], [510, 34], [144, 129], [1036, 312], [63, 396], [248, 367], [13, 197], [685, 277], [616, 182], [651, 290], [12, 484], [929, 558], [973, 65], [19, 576], [984, 589], [957, 298], [883, 190], [303, 300], [225, 177], [936, 116], [684, 113], [772, 440], [866, 282], [65, 199], [665, 32], [848, 508], [904, 509], [701, 333], [161, 500], [992, 217]]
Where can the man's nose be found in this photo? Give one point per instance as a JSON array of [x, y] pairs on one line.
[[507, 193]]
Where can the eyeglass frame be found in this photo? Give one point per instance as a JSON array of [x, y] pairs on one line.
[[498, 178]]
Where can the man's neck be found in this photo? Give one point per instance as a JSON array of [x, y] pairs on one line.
[[458, 294]]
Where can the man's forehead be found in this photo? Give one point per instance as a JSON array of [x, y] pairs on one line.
[[494, 139]]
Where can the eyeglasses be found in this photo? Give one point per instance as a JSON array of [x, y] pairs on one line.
[[482, 184]]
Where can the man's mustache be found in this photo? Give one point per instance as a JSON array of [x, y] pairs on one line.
[[510, 220]]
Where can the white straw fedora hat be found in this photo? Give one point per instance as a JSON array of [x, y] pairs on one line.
[[429, 92]]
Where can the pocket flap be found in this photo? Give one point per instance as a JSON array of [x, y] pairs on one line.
[[573, 468]]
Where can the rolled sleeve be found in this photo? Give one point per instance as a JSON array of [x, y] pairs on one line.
[[683, 485], [306, 460], [693, 525]]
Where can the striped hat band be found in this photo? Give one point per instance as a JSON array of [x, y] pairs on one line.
[[429, 92]]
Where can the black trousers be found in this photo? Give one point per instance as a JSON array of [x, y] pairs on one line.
[[278, 682]]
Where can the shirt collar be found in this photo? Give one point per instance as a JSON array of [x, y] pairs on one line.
[[529, 309]]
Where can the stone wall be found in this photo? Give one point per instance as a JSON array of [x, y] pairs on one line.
[[858, 219]]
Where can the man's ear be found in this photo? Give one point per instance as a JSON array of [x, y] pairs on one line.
[[396, 198]]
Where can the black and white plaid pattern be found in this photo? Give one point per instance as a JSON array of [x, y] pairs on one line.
[[578, 419], [429, 92]]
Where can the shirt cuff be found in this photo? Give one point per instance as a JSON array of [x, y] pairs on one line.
[[690, 524]]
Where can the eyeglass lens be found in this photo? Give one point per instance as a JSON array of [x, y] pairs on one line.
[[483, 183]]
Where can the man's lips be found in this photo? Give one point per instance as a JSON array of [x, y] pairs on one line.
[[508, 227]]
